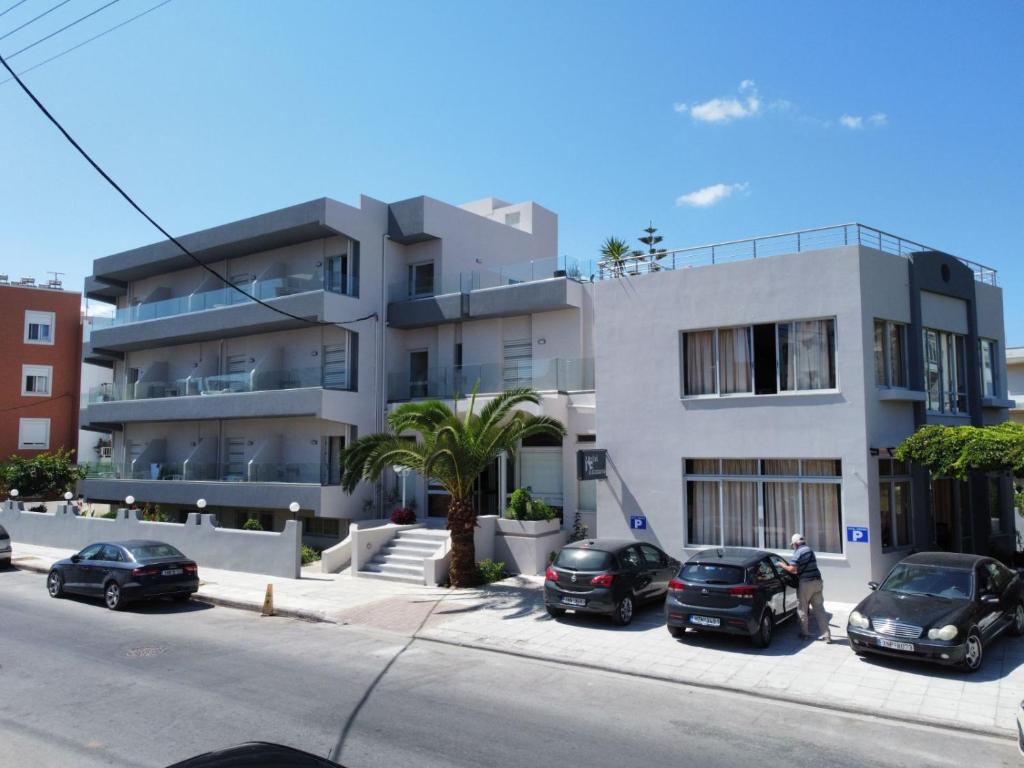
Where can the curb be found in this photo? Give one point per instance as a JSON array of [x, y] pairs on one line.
[[977, 730]]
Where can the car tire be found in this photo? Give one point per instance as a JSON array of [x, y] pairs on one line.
[[677, 632], [55, 584], [113, 596], [182, 597], [974, 652], [1018, 621], [553, 612], [765, 630], [623, 613]]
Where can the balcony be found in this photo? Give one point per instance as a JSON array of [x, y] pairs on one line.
[[446, 383], [245, 472]]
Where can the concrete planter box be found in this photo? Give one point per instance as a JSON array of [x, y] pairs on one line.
[[525, 545], [527, 527]]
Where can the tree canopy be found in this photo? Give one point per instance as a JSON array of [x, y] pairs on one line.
[[957, 451]]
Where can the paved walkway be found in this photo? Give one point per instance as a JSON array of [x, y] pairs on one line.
[[510, 617]]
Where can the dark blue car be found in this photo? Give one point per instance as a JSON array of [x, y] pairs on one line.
[[125, 571]]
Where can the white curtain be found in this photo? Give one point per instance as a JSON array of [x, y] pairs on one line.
[[704, 522], [700, 363], [781, 514], [807, 355], [734, 360], [740, 500], [821, 516], [897, 377]]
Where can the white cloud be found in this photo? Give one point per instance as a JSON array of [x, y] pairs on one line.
[[708, 196], [856, 122], [679, 107], [879, 118], [725, 109]]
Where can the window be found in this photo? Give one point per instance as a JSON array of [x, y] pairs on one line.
[[421, 279], [36, 380], [760, 359], [988, 368], [419, 373], [763, 502], [34, 434], [894, 503], [517, 363], [321, 526], [652, 557], [586, 495], [630, 558], [890, 354], [38, 327], [945, 371], [512, 219]]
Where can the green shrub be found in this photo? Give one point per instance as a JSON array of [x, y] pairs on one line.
[[309, 555], [154, 514], [488, 571], [538, 510], [46, 475], [517, 504], [252, 524], [579, 528]]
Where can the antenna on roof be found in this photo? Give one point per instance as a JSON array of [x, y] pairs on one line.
[[55, 281]]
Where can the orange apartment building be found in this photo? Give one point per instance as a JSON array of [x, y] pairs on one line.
[[41, 353]]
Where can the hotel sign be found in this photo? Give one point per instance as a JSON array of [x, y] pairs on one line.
[[591, 464]]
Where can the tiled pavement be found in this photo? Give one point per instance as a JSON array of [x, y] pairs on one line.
[[510, 617]]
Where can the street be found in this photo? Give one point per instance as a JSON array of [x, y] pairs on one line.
[[83, 686]]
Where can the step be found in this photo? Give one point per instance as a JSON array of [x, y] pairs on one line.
[[394, 557], [420, 539], [401, 549], [392, 577], [387, 566]]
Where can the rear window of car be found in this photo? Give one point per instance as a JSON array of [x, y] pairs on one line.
[[580, 559], [150, 551], [712, 573]]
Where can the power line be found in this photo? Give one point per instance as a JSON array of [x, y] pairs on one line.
[[153, 221], [4, 13], [66, 26], [88, 40], [44, 13]]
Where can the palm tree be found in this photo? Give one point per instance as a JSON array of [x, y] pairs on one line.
[[452, 450], [615, 251]]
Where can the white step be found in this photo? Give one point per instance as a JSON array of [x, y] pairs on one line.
[[392, 577], [433, 541], [412, 551], [387, 566], [399, 557]]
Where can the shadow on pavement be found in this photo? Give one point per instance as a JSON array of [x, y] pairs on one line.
[[158, 607]]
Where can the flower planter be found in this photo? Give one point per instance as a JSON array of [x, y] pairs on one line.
[[528, 527]]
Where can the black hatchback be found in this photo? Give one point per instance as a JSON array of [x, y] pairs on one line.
[[734, 590], [607, 576], [940, 607], [123, 571]]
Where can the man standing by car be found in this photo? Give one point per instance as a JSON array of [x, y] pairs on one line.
[[809, 589]]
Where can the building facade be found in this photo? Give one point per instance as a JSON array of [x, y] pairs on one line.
[[1015, 382], [41, 344]]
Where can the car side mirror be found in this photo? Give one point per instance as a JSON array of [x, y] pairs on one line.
[[990, 599], [872, 585], [75, 558]]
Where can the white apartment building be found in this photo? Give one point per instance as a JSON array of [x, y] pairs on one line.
[[1015, 381]]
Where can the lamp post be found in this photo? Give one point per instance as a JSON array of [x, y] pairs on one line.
[[68, 495], [129, 500], [294, 507], [201, 503], [401, 472]]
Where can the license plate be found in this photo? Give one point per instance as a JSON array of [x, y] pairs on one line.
[[894, 645], [706, 621], [574, 601], [172, 572]]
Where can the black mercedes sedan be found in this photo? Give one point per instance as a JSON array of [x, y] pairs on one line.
[[734, 590], [124, 571], [607, 576], [940, 607]]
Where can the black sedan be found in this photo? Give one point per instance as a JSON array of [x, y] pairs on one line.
[[939, 607], [734, 590], [124, 571], [607, 576]]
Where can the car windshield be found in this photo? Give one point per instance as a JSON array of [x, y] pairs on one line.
[[712, 573], [579, 559], [151, 551], [928, 580]]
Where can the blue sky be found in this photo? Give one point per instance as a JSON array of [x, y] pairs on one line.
[[715, 120]]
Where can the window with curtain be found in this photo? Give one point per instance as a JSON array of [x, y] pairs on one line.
[[739, 514], [781, 513], [702, 509], [945, 368], [894, 500], [890, 360], [881, 378], [734, 369], [821, 517], [699, 363], [807, 358]]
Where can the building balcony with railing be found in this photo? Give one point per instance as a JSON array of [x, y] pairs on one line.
[[450, 382]]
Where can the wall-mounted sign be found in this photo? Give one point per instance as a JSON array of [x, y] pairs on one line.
[[638, 523], [591, 464], [856, 535]]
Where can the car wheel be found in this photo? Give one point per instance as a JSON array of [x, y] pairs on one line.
[[1018, 620], [113, 596], [55, 584], [677, 632], [623, 611], [763, 637], [182, 597], [553, 612], [973, 652]]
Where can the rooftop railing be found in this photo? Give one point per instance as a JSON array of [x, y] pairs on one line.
[[775, 245]]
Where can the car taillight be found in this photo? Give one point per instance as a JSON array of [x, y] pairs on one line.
[[191, 568], [676, 586], [551, 574], [745, 591], [603, 580], [149, 571]]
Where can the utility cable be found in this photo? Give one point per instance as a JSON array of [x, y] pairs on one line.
[[4, 13], [153, 221], [87, 40], [66, 26], [44, 13]]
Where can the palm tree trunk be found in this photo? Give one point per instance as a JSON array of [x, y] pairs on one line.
[[462, 524]]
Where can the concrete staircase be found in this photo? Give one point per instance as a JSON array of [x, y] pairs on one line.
[[402, 558]]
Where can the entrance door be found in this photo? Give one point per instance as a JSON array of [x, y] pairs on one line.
[[418, 373], [945, 516]]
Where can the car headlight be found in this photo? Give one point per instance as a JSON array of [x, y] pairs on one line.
[[859, 620], [947, 632]]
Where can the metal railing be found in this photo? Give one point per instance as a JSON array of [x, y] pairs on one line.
[[775, 245], [509, 274], [555, 374], [244, 472]]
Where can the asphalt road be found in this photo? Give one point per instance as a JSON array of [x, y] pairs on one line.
[[82, 686]]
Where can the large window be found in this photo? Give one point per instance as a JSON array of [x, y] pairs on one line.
[[36, 380], [761, 359], [38, 327], [421, 279], [894, 503], [763, 502], [945, 371], [988, 367], [34, 434], [890, 354]]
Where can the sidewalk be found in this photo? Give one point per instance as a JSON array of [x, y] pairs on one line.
[[509, 617]]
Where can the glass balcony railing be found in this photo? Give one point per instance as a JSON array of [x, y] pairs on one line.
[[95, 323], [270, 288], [558, 374], [226, 383], [242, 472]]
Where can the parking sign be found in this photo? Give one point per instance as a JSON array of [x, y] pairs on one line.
[[856, 535], [638, 523]]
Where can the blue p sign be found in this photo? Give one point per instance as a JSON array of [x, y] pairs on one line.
[[638, 523], [856, 535]]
